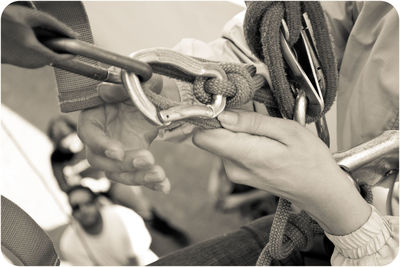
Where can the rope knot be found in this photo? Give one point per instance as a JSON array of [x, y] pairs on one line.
[[238, 88]]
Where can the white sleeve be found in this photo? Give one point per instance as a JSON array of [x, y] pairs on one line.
[[137, 236], [375, 243]]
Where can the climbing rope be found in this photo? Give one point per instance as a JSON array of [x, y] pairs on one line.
[[241, 86], [262, 26]]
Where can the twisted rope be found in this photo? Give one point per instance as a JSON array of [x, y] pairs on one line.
[[262, 30], [238, 88], [241, 86], [262, 24]]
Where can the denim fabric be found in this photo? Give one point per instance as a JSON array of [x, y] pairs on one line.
[[242, 248]]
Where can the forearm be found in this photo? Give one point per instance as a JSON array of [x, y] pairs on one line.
[[339, 209]]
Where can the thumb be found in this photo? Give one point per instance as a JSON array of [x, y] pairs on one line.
[[116, 93]]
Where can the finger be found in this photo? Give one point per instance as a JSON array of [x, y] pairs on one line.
[[40, 51], [155, 84], [46, 21], [139, 160], [238, 147], [153, 175], [220, 142], [257, 124], [112, 93], [116, 93], [91, 131], [50, 55], [153, 178]]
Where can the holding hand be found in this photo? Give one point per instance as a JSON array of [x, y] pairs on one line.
[[286, 159], [19, 44], [117, 137]]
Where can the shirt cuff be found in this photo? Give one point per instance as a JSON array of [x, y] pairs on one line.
[[366, 240]]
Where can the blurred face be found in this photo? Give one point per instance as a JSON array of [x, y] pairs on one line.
[[60, 130], [84, 208], [65, 137]]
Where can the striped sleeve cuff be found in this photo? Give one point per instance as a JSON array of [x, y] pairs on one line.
[[367, 240]]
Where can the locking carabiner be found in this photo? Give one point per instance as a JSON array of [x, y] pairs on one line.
[[164, 59]]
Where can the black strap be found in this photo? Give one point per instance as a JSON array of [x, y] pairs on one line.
[[73, 14], [23, 241]]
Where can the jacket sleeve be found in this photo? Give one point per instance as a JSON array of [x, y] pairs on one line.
[[375, 243]]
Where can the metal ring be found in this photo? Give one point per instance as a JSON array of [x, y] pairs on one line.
[[173, 60]]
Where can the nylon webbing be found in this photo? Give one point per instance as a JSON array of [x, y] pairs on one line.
[[22, 239], [69, 84]]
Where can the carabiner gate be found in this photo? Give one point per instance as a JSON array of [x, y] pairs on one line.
[[183, 64]]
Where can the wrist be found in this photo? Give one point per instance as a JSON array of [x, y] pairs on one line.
[[341, 209]]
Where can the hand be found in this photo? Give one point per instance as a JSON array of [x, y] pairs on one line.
[[117, 136], [19, 45], [286, 159]]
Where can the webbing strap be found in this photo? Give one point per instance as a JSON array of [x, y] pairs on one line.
[[70, 85], [23, 241]]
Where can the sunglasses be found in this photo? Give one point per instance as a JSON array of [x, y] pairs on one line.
[[76, 207]]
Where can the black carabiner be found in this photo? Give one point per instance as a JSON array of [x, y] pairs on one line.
[[88, 50]]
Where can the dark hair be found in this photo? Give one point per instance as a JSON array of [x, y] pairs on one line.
[[52, 123], [81, 187]]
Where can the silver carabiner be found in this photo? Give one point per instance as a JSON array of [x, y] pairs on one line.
[[356, 157], [300, 108], [312, 89], [173, 60], [314, 82]]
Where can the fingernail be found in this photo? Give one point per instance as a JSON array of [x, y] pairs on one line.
[[74, 34], [140, 162], [163, 187], [151, 177], [114, 154], [228, 117]]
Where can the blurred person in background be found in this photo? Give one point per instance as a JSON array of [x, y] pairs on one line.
[[104, 233], [70, 168]]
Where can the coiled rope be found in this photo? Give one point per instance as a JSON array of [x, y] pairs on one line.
[[262, 24], [262, 27]]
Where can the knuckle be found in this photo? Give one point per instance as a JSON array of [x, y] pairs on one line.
[[254, 122]]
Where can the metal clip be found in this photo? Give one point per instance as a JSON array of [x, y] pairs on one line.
[[96, 72], [304, 50], [309, 72], [300, 108], [356, 157], [176, 62]]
